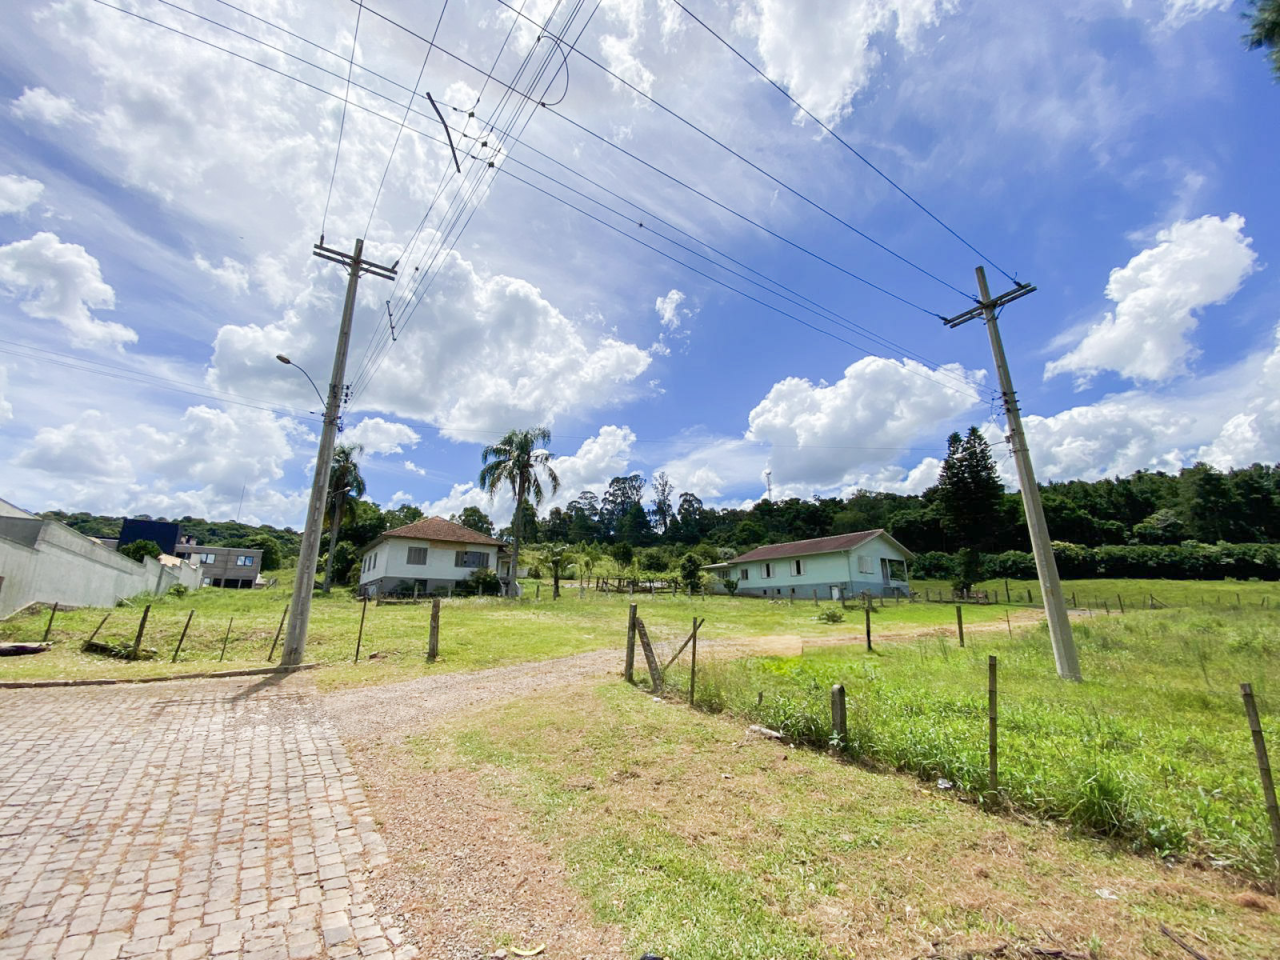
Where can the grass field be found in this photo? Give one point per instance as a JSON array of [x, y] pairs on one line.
[[703, 842], [1135, 594], [475, 633], [1151, 750]]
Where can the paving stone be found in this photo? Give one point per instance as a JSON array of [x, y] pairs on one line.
[[182, 821]]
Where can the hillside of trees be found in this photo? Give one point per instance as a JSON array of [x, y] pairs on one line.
[[1149, 523]]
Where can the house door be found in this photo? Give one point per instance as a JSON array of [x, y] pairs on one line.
[[884, 571], [835, 592]]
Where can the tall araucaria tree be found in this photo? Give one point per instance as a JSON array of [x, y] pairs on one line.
[[517, 460], [969, 492], [345, 487]]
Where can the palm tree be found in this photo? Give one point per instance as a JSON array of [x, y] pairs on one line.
[[589, 554], [1264, 30], [558, 557], [345, 486], [517, 460]]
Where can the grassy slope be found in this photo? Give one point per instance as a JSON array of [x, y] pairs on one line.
[[1152, 748], [475, 633], [704, 843]]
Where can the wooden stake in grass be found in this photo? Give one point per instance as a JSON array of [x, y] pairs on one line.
[[839, 717], [1006, 592], [1121, 600], [433, 634], [222, 656], [815, 598], [272, 655], [693, 661], [142, 628], [1008, 623], [628, 672], [655, 672], [49, 626], [101, 624], [867, 613], [960, 623], [1106, 607], [364, 606], [1264, 769], [185, 627], [993, 772]]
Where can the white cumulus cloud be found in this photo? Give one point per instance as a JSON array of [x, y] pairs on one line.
[[379, 436], [1194, 264], [231, 273], [17, 194], [37, 103], [61, 281]]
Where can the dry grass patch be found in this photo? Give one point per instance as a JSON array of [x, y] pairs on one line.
[[701, 842]]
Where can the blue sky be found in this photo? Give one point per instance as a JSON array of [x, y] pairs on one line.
[[159, 198]]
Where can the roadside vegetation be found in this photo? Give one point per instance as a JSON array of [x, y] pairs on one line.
[[702, 842], [1151, 751]]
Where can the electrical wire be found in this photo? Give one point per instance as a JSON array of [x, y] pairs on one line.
[[343, 122], [407, 107], [839, 139], [754, 166], [31, 352], [422, 133]]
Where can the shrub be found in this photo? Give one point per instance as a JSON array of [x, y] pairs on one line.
[[830, 616], [141, 548]]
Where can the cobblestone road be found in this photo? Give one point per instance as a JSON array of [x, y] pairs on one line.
[[183, 820]]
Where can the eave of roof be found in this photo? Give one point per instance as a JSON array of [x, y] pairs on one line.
[[837, 544], [438, 529]]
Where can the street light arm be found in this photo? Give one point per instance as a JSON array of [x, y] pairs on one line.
[[285, 360]]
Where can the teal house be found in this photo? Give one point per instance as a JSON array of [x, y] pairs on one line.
[[842, 566]]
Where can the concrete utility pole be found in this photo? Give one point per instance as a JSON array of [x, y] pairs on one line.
[[1055, 607], [309, 552]]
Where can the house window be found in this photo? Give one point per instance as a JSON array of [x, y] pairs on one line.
[[473, 559], [897, 569], [797, 568], [417, 556], [768, 570], [744, 574], [206, 558], [244, 561], [206, 581], [865, 565]]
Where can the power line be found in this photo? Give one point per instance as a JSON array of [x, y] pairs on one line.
[[114, 372], [754, 166], [516, 140], [343, 122], [839, 139], [407, 107]]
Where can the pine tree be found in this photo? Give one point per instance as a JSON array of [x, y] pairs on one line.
[[968, 494]]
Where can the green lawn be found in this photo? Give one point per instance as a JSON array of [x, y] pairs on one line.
[[475, 633], [1151, 750], [702, 842]]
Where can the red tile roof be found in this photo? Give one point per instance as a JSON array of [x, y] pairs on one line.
[[438, 528], [797, 548]]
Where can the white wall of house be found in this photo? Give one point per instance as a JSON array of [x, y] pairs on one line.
[[853, 570], [44, 561], [390, 559]]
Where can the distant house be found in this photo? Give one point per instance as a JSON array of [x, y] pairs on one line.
[[840, 566], [235, 568], [430, 555]]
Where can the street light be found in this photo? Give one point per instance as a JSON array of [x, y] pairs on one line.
[[289, 363]]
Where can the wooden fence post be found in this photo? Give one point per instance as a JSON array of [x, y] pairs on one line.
[[1106, 608], [1264, 769], [815, 598], [651, 658], [1073, 598], [839, 717], [142, 628], [993, 773], [1006, 592], [693, 662], [101, 624], [1120, 599], [960, 623], [866, 612], [629, 673], [49, 626], [926, 594], [185, 627], [364, 607], [223, 655], [272, 655], [537, 590], [433, 633]]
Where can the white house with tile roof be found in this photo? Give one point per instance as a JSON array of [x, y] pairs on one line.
[[845, 565], [431, 555]]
